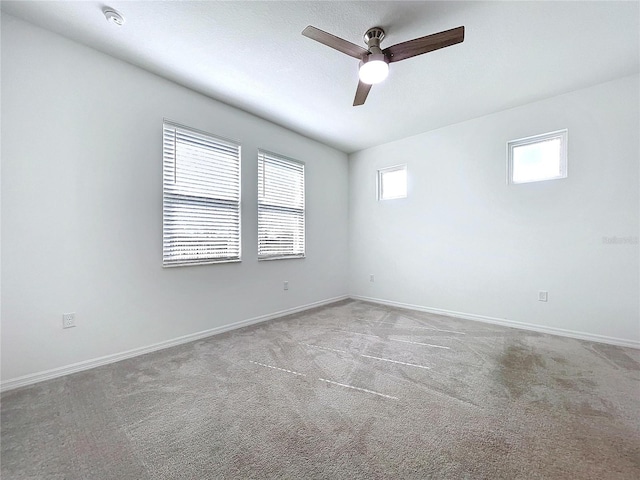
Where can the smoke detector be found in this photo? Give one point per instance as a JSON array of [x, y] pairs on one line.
[[113, 16]]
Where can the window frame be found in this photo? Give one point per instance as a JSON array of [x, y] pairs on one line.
[[224, 143], [379, 181], [262, 156], [563, 135]]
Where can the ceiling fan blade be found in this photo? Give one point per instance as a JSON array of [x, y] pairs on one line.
[[361, 93], [332, 41], [421, 45]]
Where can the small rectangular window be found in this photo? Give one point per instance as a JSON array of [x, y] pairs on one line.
[[537, 158], [392, 182], [201, 197], [281, 207]]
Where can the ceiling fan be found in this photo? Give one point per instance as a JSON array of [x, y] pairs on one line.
[[374, 62]]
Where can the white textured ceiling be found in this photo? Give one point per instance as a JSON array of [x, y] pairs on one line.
[[251, 55]]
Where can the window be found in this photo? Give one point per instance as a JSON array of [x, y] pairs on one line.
[[542, 157], [201, 197], [392, 182], [280, 207]]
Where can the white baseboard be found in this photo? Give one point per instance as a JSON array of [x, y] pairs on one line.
[[116, 357], [508, 323]]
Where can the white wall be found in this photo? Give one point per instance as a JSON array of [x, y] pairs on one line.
[[464, 241], [82, 210]]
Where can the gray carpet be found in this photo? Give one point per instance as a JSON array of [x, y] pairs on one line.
[[348, 391]]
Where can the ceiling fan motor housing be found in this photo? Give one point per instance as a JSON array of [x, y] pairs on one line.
[[374, 57]]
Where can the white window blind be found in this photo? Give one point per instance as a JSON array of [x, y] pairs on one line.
[[201, 197], [280, 207]]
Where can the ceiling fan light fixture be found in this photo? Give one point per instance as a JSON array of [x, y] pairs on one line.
[[373, 69]]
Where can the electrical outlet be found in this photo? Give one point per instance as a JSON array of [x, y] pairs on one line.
[[371, 278], [286, 285], [68, 320], [543, 296]]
